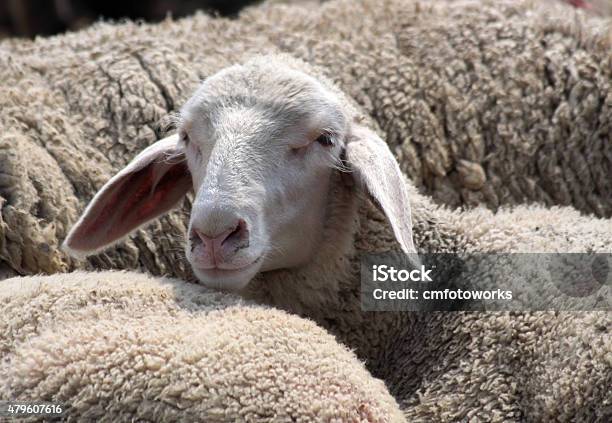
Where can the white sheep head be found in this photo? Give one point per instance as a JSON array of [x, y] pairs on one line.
[[258, 143]]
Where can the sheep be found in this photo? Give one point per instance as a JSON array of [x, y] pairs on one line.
[[122, 346], [150, 69], [98, 94], [293, 187]]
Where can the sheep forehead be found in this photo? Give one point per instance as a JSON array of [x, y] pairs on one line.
[[269, 81], [271, 95]]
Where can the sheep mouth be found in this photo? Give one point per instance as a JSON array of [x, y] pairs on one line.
[[226, 270], [234, 278]]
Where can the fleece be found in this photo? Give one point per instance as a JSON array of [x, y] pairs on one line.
[[121, 346], [493, 102]]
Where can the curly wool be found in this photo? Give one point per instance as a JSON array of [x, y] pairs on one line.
[[115, 346], [491, 102]]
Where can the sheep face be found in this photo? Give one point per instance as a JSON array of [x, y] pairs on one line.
[[258, 143]]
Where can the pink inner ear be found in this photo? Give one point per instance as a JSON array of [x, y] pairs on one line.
[[132, 202]]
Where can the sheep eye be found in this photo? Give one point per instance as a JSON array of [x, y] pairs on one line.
[[185, 138], [325, 140]]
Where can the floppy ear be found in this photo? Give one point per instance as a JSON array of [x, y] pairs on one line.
[[375, 168], [152, 184]]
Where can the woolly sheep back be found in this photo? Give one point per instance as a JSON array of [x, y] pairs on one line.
[[126, 346]]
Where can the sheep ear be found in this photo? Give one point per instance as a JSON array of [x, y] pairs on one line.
[[152, 184], [375, 169]]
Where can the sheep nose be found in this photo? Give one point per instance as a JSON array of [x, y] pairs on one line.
[[236, 235]]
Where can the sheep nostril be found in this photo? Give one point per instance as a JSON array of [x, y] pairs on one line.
[[239, 232], [237, 237]]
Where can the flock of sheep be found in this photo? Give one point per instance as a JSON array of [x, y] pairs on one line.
[[447, 108]]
